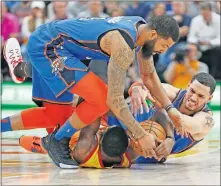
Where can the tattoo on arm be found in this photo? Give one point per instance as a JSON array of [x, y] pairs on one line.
[[146, 65], [120, 60], [209, 121]]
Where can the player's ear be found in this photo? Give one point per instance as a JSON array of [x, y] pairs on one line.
[[153, 34]]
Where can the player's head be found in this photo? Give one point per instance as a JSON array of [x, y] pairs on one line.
[[114, 141], [161, 33], [200, 91]]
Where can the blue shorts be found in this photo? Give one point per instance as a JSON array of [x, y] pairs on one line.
[[55, 69]]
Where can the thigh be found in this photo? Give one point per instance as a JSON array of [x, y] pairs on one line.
[[56, 66]]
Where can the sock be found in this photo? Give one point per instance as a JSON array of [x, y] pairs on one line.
[[6, 125], [65, 131]]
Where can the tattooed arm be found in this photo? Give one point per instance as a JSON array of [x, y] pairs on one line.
[[120, 60], [200, 124], [151, 79], [152, 82]]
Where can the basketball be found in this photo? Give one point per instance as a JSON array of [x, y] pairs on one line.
[[150, 127]]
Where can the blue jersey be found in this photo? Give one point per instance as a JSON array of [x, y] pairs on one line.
[[83, 34], [56, 51], [181, 144]]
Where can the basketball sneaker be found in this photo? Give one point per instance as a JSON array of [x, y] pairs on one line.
[[12, 55], [32, 144], [58, 151]]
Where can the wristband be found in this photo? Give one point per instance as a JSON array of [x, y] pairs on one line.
[[168, 107], [171, 137]]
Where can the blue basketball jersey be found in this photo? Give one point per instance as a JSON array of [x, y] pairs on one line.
[[83, 34], [183, 144]]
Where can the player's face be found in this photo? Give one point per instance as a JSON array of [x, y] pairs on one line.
[[197, 95], [161, 45]]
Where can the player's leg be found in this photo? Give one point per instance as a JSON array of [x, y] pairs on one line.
[[57, 114], [63, 72], [47, 116]]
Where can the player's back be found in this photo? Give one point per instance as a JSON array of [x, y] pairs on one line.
[[85, 33]]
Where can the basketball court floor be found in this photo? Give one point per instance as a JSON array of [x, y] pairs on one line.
[[198, 166]]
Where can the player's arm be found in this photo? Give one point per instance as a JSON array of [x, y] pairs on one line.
[[86, 141], [165, 148], [121, 57], [200, 123], [162, 118], [151, 79]]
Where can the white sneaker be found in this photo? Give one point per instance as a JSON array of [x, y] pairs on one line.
[[12, 54]]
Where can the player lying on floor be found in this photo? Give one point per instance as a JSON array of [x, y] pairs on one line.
[[192, 103]]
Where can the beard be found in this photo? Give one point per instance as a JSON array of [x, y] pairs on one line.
[[147, 48]]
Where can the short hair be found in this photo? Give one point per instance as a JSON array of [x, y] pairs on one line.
[[114, 141], [205, 79], [205, 6], [165, 26]]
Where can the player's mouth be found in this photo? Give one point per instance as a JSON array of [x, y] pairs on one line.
[[191, 103]]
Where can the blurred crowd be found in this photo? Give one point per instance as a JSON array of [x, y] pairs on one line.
[[197, 50]]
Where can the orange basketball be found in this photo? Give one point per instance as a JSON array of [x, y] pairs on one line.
[[150, 127]]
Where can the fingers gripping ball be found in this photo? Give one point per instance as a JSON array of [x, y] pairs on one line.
[[150, 127]]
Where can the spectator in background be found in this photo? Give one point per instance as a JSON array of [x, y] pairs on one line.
[[30, 23], [193, 8], [10, 4], [184, 66], [158, 10], [179, 13], [205, 31], [138, 8], [22, 9], [9, 28], [9, 24], [75, 7], [117, 12], [35, 19], [110, 6], [95, 9], [60, 11]]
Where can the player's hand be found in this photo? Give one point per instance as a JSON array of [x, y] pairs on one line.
[[148, 145], [139, 95], [165, 148], [177, 120]]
